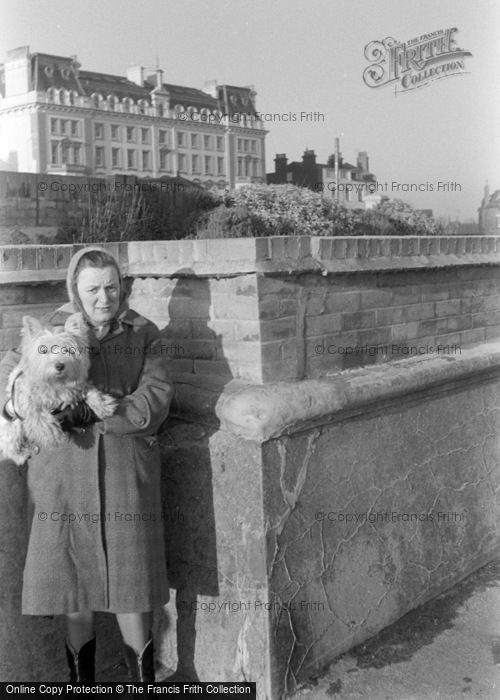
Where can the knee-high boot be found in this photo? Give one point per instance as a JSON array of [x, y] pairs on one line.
[[81, 663], [141, 666]]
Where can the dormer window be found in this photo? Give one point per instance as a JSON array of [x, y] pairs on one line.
[[127, 104], [160, 110], [51, 94], [112, 102], [62, 97], [96, 100], [49, 71], [142, 106]]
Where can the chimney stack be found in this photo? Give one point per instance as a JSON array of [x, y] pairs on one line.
[[280, 163], [363, 161], [136, 75]]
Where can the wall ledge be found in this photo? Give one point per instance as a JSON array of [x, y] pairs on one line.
[[237, 256], [262, 412]]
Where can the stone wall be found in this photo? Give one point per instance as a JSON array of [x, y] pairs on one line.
[[270, 440], [36, 200], [30, 199]]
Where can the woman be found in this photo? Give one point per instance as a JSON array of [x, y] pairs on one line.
[[101, 546]]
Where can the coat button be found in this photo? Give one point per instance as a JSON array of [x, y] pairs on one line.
[[142, 421]]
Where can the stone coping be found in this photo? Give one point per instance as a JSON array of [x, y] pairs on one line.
[[226, 257], [262, 412]]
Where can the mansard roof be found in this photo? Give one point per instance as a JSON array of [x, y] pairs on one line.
[[189, 97], [105, 84], [53, 71], [63, 72]]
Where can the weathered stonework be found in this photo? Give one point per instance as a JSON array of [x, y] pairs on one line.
[[371, 495]]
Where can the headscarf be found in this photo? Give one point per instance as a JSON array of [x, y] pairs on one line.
[[71, 281]]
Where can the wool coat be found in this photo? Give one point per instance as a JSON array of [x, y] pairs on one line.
[[96, 539]]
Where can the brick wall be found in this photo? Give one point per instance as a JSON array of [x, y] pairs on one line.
[[263, 310], [355, 320]]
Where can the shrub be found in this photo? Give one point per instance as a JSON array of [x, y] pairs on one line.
[[226, 222], [408, 221], [281, 210], [137, 214]]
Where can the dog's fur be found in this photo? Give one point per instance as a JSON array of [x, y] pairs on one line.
[[52, 374]]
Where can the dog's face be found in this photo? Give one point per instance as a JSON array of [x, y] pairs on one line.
[[53, 356]]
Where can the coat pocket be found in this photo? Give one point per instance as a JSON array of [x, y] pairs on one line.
[[146, 448]]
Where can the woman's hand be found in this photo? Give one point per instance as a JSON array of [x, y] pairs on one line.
[[75, 417]]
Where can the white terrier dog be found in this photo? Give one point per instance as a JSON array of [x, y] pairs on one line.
[[51, 376]]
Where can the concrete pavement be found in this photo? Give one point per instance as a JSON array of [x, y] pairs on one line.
[[444, 650]]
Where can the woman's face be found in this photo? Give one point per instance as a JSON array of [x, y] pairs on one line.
[[99, 292]]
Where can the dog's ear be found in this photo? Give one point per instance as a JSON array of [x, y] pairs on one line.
[[31, 326]]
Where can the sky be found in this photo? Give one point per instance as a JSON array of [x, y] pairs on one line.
[[308, 57]]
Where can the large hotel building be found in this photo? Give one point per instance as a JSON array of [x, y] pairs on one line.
[[56, 118]]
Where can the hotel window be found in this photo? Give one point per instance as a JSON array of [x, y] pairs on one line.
[[253, 146], [146, 160], [77, 154], [74, 127], [130, 159], [65, 153], [245, 145], [144, 135], [208, 165], [115, 132], [163, 160], [220, 143], [182, 162], [240, 167], [163, 137], [54, 151], [195, 164], [195, 140], [207, 142], [130, 133], [115, 158], [220, 166], [99, 131], [53, 126], [99, 157], [181, 141], [240, 144], [64, 126]]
